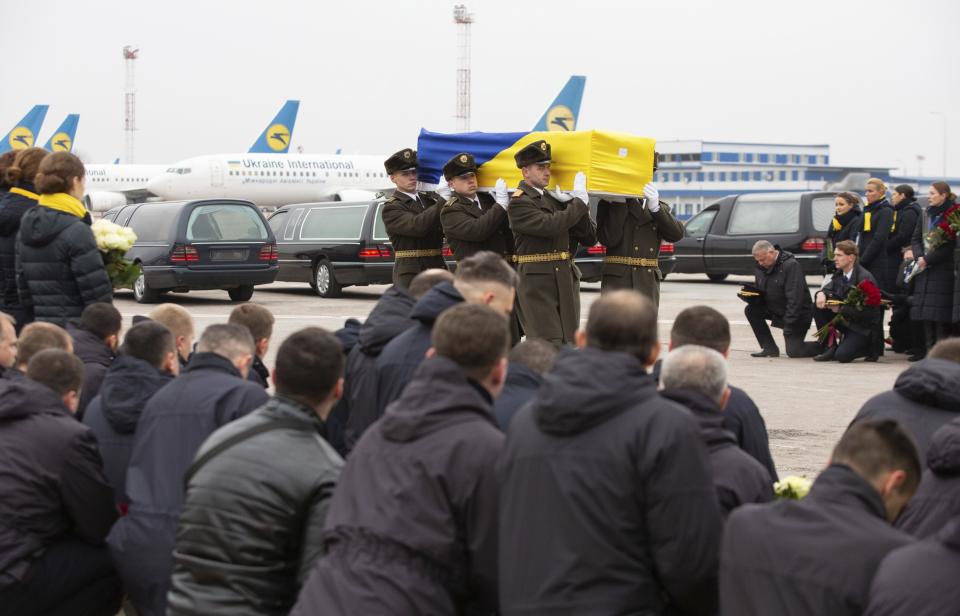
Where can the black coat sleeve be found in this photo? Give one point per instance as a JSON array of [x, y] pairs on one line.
[[880, 224], [669, 227], [86, 265], [902, 236], [916, 243], [85, 491], [794, 287], [401, 221]]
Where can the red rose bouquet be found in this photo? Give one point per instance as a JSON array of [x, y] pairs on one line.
[[861, 297]]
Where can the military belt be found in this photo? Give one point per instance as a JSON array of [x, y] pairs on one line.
[[416, 254], [634, 261], [543, 257]]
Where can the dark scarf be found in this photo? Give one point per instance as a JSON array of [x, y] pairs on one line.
[[844, 219]]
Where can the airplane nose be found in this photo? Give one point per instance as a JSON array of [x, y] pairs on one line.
[[160, 185]]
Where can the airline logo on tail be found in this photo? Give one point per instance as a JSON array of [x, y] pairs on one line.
[[61, 142], [20, 138], [559, 117], [278, 138], [62, 139], [24, 133], [562, 113]]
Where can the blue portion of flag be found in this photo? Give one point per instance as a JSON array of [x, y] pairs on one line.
[[435, 149]]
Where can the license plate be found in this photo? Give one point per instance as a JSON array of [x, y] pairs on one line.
[[229, 254]]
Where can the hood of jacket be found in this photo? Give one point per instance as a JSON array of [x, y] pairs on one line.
[[933, 382], [439, 395], [587, 387], [12, 208], [943, 456], [388, 319], [782, 258], [22, 398], [708, 414], [41, 225], [127, 386], [519, 375], [88, 347], [435, 301]]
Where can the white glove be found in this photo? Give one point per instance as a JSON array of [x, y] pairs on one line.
[[500, 193], [561, 196], [653, 197], [444, 191], [580, 187]]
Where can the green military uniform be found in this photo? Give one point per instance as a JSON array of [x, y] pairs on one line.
[[413, 225], [471, 226], [547, 232], [632, 235]]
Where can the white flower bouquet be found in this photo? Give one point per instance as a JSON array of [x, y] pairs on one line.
[[113, 242], [792, 487]]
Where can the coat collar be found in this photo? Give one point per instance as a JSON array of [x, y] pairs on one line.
[[211, 361], [530, 191], [841, 485]]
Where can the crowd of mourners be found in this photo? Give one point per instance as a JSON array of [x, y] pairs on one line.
[[421, 463]]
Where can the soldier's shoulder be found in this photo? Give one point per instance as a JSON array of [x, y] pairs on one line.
[[452, 200]]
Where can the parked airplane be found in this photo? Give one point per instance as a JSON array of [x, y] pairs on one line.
[[62, 139], [24, 134], [271, 181]]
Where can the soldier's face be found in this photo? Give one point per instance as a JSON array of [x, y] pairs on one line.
[[537, 175], [405, 180], [465, 185]]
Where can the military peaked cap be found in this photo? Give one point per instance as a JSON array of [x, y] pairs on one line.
[[461, 164], [536, 152], [401, 161]]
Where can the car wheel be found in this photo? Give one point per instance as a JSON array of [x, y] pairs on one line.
[[241, 294], [143, 293], [717, 277], [324, 282]]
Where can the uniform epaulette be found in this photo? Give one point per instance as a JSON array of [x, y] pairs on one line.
[[518, 192], [450, 201]]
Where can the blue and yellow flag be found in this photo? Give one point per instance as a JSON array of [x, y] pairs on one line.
[[614, 163]]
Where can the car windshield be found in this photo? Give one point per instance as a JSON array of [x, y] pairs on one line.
[[765, 214], [151, 221], [225, 223]]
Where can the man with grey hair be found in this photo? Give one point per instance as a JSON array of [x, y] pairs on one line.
[[785, 302], [211, 392], [696, 377]]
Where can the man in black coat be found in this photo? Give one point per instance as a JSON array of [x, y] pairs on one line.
[[57, 506], [147, 362], [211, 391], [696, 377], [96, 336], [786, 303], [924, 397], [259, 320], [607, 501], [529, 361], [484, 278], [818, 555], [938, 498], [412, 528], [251, 526], [920, 579]]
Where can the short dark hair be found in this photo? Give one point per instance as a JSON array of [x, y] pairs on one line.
[[101, 319], [534, 353], [58, 370], [906, 190], [309, 363], [426, 280], [847, 247], [948, 349], [226, 340], [703, 326], [256, 318], [150, 341], [486, 266], [473, 336], [38, 336], [872, 447], [624, 321]]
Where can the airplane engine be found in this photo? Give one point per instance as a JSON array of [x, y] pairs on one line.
[[104, 201]]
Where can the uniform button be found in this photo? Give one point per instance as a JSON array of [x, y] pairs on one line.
[[651, 250], [556, 269], [636, 248]]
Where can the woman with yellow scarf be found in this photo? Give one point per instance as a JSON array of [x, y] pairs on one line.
[[844, 225], [59, 269]]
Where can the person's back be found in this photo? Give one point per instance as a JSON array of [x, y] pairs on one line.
[[938, 497], [529, 360], [607, 504], [252, 523], [412, 525], [818, 555], [22, 196], [742, 418]]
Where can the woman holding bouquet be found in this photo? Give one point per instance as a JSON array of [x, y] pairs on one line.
[[933, 248], [59, 269]]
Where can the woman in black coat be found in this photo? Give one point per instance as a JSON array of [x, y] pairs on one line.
[[844, 225], [873, 233], [933, 289], [906, 212]]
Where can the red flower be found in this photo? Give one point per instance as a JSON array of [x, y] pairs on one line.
[[871, 292], [944, 226]]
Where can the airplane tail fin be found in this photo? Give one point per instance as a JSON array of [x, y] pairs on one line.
[[275, 138], [62, 138], [563, 112], [25, 132]]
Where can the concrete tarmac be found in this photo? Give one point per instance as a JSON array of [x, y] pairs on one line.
[[806, 404]]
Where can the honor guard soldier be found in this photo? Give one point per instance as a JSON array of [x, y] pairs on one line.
[[474, 221], [412, 220], [546, 231], [632, 232]]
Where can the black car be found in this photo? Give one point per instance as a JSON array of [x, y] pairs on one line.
[[335, 245], [197, 245], [719, 240]]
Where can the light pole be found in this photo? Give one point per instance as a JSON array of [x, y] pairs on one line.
[[943, 116]]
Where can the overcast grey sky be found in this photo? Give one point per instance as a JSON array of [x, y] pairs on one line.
[[861, 76]]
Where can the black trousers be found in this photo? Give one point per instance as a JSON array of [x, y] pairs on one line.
[[935, 331], [71, 578], [852, 344], [797, 346]]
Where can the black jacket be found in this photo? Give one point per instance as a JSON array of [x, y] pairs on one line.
[[251, 527], [738, 478], [521, 386], [12, 209], [607, 500], [785, 294], [59, 269], [113, 415], [402, 355], [742, 418], [357, 408], [920, 579], [412, 528], [52, 479], [905, 217], [938, 497], [872, 242], [771, 564], [259, 373], [838, 287], [933, 289], [925, 396], [96, 356]]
